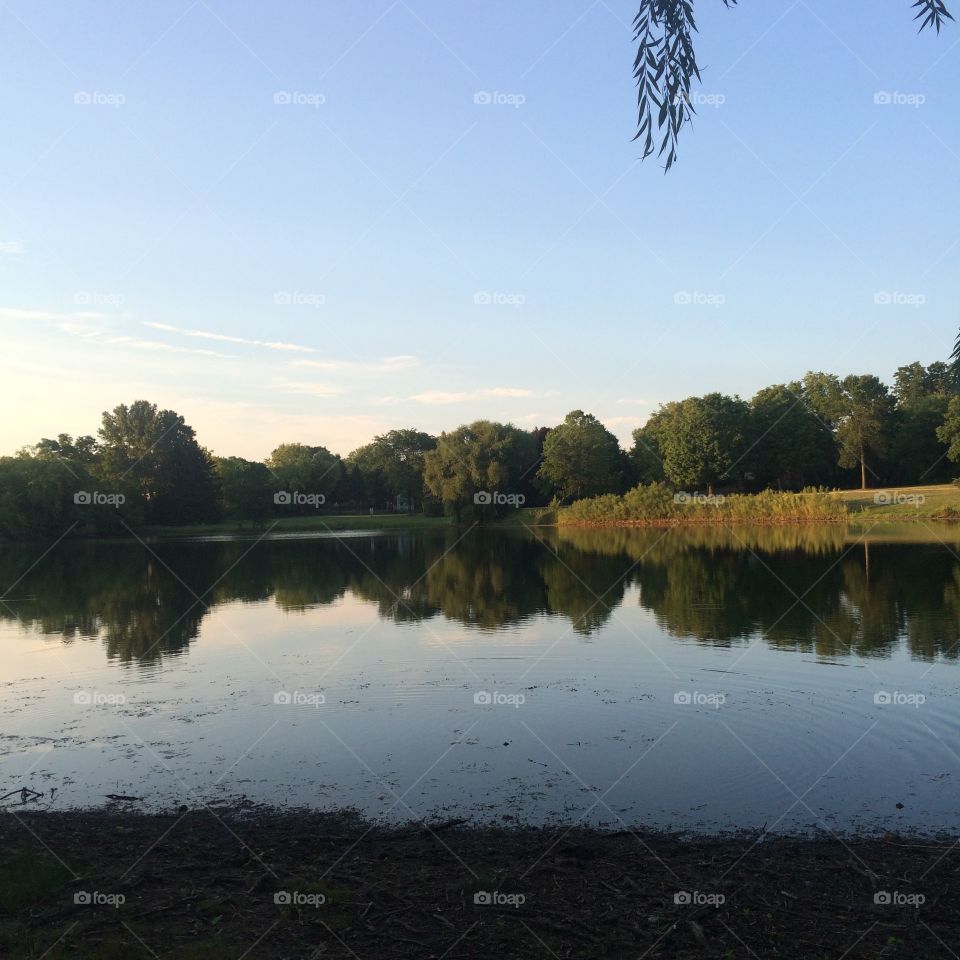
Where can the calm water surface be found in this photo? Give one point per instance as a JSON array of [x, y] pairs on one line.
[[695, 679]]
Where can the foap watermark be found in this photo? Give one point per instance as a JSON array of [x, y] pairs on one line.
[[296, 298], [298, 698], [894, 298], [894, 497], [12, 247], [487, 698], [897, 698], [895, 98], [494, 498], [296, 898], [496, 898], [697, 898], [299, 98], [896, 898], [97, 498], [685, 499], [96, 898], [97, 698], [94, 298], [697, 98], [696, 298], [494, 298], [294, 498], [495, 98], [97, 98], [687, 698]]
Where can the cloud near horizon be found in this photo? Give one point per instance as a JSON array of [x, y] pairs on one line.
[[439, 397], [383, 365], [227, 338], [94, 335]]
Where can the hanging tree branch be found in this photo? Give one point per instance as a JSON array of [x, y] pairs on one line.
[[666, 66]]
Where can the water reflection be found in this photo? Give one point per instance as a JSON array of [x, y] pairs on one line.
[[822, 591]]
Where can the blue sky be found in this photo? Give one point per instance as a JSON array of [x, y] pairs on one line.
[[315, 188]]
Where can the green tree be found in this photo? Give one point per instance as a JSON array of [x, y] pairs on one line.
[[310, 471], [916, 454], [246, 490], [789, 446], [914, 383], [865, 422], [398, 458], [581, 458], [949, 432], [480, 458], [923, 394], [82, 451], [153, 455], [701, 439], [823, 394], [645, 455], [37, 498]]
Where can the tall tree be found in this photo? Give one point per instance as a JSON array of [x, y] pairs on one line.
[[645, 454], [789, 445], [865, 422], [474, 463], [398, 456], [949, 433], [246, 490], [823, 394], [922, 393], [581, 458], [154, 454], [701, 439], [298, 468]]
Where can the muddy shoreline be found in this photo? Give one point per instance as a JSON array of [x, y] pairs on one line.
[[257, 882]]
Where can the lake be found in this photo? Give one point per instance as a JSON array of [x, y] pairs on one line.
[[695, 679]]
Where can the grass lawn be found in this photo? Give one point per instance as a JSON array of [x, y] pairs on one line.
[[938, 501]]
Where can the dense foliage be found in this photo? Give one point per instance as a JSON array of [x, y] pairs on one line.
[[145, 467]]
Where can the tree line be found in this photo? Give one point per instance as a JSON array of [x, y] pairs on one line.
[[145, 466]]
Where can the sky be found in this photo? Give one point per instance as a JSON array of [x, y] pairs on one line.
[[316, 222]]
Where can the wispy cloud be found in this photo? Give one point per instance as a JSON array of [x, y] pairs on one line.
[[505, 392], [93, 335], [227, 338], [439, 397], [383, 365], [321, 390], [15, 313]]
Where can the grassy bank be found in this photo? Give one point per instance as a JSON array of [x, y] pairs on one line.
[[658, 505], [266, 884]]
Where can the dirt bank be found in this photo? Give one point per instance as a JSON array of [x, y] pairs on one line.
[[260, 883]]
